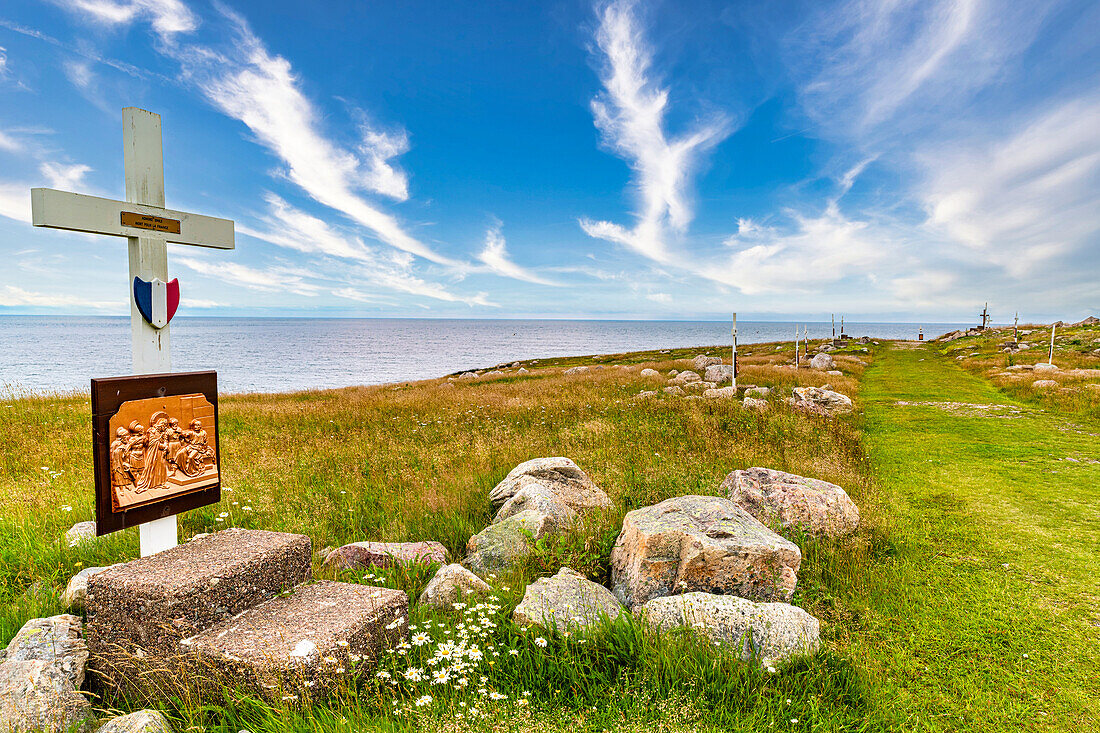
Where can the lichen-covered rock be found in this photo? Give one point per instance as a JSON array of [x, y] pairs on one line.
[[55, 639], [811, 505], [719, 374], [822, 361], [566, 601], [673, 372], [386, 554], [80, 533], [1044, 384], [561, 476], [700, 543], [686, 377], [449, 585], [758, 392], [754, 403], [650, 373], [721, 393], [575, 370], [38, 696], [533, 494], [701, 362], [143, 721], [768, 632], [821, 401], [675, 390], [504, 545], [1044, 367]]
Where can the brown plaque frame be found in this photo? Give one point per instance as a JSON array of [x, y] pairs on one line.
[[108, 395]]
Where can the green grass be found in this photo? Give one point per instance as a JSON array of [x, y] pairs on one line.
[[975, 550]]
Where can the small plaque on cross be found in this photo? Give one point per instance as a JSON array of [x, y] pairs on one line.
[[155, 442]]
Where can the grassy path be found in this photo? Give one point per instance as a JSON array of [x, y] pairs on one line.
[[985, 614]]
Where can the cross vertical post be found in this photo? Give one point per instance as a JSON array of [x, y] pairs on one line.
[[796, 346], [832, 317], [1016, 329], [1053, 328], [143, 156]]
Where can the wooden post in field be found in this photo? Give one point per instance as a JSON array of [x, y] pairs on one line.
[[148, 228], [1016, 329], [832, 317], [733, 360], [1053, 328]]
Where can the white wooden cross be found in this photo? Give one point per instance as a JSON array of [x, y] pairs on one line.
[[148, 228], [733, 354]]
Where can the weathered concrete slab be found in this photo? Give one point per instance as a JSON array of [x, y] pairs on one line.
[[139, 611], [302, 643]]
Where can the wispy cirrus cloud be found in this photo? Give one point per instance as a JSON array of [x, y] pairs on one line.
[[495, 257], [12, 296], [168, 17], [630, 113], [274, 279], [292, 228]]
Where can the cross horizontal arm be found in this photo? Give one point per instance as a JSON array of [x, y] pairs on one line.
[[79, 213]]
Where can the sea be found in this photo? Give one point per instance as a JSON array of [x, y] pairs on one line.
[[48, 354]]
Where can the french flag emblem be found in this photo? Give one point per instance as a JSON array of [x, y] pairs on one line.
[[157, 300]]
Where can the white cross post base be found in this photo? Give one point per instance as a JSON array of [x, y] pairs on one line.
[[157, 535]]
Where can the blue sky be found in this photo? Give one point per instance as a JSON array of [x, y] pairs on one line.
[[894, 161]]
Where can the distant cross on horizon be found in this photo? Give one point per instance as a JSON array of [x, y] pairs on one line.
[[985, 316], [148, 228]]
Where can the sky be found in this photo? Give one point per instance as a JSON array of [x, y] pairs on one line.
[[894, 161]]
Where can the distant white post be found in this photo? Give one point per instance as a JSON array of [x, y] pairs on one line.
[[1016, 329], [733, 359], [148, 228], [796, 346], [1053, 328]]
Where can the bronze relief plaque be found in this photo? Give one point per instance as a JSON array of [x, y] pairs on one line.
[[156, 446]]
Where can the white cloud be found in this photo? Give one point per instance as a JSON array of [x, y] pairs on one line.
[[276, 279], [167, 17], [1025, 198], [495, 257], [631, 115], [3, 62], [65, 176], [660, 297], [15, 201], [11, 295], [262, 91], [295, 229]]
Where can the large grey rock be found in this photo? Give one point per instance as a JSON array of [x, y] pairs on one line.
[[685, 377], [699, 387], [701, 362], [37, 696], [143, 721], [700, 543], [505, 545], [1044, 384], [816, 507], [575, 370], [386, 554], [675, 390], [755, 404], [76, 592], [758, 392], [821, 401], [1044, 367], [822, 361], [562, 476], [650, 373], [719, 374], [80, 533], [770, 632], [535, 495], [566, 601], [56, 640], [721, 393], [449, 585]]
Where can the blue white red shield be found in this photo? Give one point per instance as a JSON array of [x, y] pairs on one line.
[[157, 300]]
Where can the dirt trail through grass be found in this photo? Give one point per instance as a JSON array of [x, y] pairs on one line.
[[986, 614]]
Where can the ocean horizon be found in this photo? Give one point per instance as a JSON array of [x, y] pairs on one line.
[[43, 354]]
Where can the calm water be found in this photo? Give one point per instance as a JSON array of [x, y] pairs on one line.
[[43, 353]]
